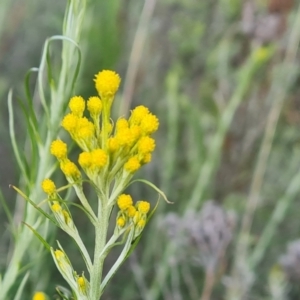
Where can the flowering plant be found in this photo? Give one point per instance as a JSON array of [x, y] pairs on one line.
[[110, 155]]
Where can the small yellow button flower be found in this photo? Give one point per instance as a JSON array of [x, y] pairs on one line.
[[138, 114], [59, 254], [131, 210], [121, 124], [143, 207], [107, 83], [56, 207], [85, 129], [81, 281], [146, 158], [39, 296], [121, 222], [99, 158], [141, 223], [124, 201], [69, 123], [59, 149], [135, 132], [125, 137], [70, 169], [85, 159], [149, 124], [48, 186], [113, 144], [132, 165], [94, 106], [77, 105], [146, 145]]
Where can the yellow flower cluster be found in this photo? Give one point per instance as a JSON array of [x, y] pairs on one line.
[[108, 149], [130, 214]]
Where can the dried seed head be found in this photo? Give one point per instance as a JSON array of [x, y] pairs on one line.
[[211, 233], [202, 236]]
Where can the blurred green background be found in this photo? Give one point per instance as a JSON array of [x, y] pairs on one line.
[[187, 60]]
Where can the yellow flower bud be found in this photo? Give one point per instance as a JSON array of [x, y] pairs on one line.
[[59, 149], [48, 186], [107, 83], [143, 207], [39, 296], [124, 201], [77, 105]]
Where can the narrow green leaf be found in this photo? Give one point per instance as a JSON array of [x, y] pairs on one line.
[[154, 187], [20, 160], [35, 206], [5, 207], [21, 287], [47, 246], [29, 97]]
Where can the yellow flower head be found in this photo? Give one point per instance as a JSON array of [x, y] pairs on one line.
[[39, 296], [107, 83], [70, 169], [99, 158], [125, 137], [132, 165], [146, 145], [85, 159], [77, 105], [121, 124], [149, 124], [124, 201], [138, 114], [69, 123], [121, 222], [143, 207], [146, 158], [85, 129], [94, 106], [59, 254], [141, 223], [81, 281], [48, 186], [59, 149], [113, 144], [136, 132], [56, 207], [131, 210]]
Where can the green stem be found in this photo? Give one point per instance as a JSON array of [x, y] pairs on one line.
[[100, 242]]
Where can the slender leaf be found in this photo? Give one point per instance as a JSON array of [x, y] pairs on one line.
[[6, 209], [47, 246], [20, 159], [19, 294], [154, 187], [35, 206]]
